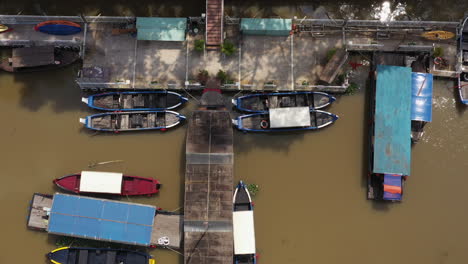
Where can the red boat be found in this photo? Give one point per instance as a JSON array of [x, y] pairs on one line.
[[109, 183]]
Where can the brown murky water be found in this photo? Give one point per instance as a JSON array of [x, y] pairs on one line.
[[311, 207]]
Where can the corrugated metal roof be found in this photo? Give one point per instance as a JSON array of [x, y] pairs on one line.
[[392, 120], [421, 106], [161, 28], [266, 26], [101, 219]]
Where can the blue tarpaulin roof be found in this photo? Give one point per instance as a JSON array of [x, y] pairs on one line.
[[392, 187], [421, 106], [266, 26], [161, 28], [101, 219], [392, 121]]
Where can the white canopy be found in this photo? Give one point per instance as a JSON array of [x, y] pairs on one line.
[[101, 182], [244, 233], [289, 117]]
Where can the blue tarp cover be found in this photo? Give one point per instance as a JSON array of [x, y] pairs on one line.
[[392, 182], [421, 106], [161, 28], [101, 219], [392, 121]]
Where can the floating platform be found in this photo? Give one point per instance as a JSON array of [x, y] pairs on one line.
[[104, 220], [208, 188]]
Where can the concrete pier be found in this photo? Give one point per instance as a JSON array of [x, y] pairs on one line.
[[260, 63], [209, 188]]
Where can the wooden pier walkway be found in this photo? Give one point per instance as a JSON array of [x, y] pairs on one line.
[[208, 189], [214, 23]]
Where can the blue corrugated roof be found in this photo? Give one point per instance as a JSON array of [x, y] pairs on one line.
[[101, 219], [161, 28], [392, 120], [421, 106]]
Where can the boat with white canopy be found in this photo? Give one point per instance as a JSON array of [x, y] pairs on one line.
[[243, 226]]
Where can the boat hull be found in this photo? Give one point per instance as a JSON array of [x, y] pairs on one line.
[[243, 226], [133, 121], [135, 101], [131, 185], [66, 255], [253, 122], [258, 103], [58, 27], [463, 58], [66, 57]]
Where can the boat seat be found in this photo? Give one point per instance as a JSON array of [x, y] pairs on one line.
[[124, 122], [127, 101], [139, 101], [111, 257], [83, 257]]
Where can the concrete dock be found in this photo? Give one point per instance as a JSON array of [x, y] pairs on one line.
[[260, 63], [209, 188]]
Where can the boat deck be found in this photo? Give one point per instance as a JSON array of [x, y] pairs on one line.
[[39, 211], [167, 226], [209, 188]]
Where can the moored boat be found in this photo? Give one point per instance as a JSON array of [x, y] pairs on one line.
[[108, 182], [84, 255], [135, 101], [3, 28], [39, 58], [133, 121], [58, 27], [285, 119], [463, 62], [263, 102], [421, 104], [243, 226]]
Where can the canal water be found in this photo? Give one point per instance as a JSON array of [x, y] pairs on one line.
[[311, 207]]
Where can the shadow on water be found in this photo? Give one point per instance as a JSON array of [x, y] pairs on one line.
[[38, 91]]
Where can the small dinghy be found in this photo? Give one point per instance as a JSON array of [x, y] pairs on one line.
[[133, 121], [108, 183], [58, 27], [38, 58], [463, 58], [263, 102], [285, 119], [243, 226], [135, 101], [83, 255]]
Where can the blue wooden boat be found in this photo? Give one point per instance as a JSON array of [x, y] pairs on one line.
[[285, 119], [263, 102], [133, 121], [243, 226], [58, 27], [390, 133], [84, 255], [463, 58], [135, 101]]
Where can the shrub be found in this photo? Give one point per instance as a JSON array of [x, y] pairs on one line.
[[438, 52], [228, 48], [330, 53], [222, 76], [203, 76], [352, 88], [199, 45]]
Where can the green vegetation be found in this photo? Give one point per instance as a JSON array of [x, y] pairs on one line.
[[253, 189], [199, 45], [438, 52], [224, 77], [330, 53], [352, 89], [228, 48], [203, 76], [340, 78], [305, 83]]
